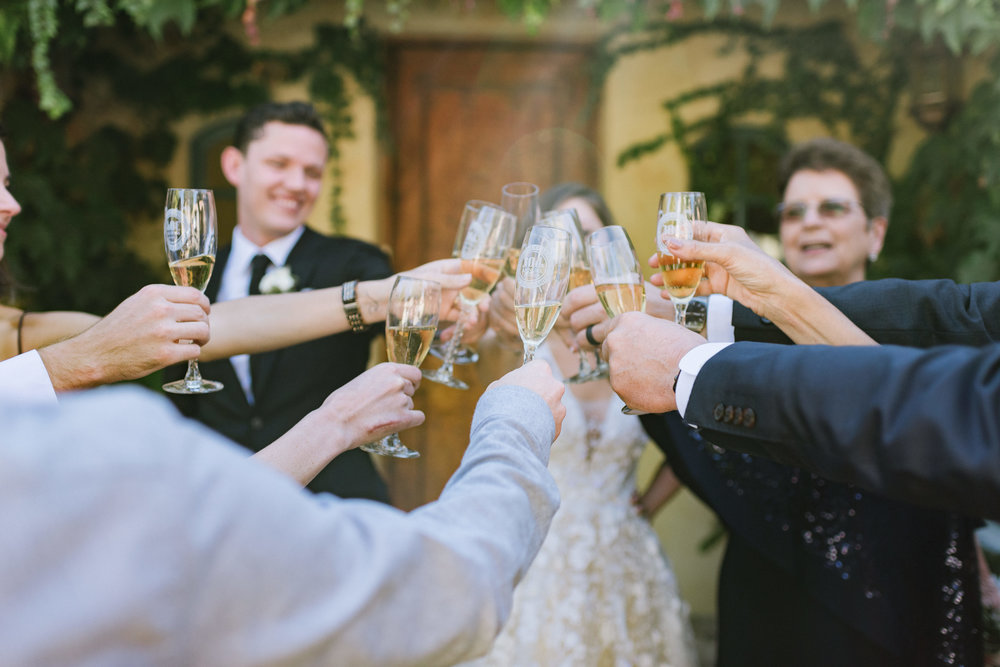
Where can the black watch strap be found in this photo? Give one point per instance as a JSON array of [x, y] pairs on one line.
[[348, 294]]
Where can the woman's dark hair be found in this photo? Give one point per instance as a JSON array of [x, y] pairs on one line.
[[250, 125], [557, 194], [863, 170]]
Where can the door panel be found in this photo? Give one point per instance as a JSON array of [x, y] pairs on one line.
[[466, 119]]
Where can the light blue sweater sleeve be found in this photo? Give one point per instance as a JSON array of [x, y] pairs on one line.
[[143, 538]]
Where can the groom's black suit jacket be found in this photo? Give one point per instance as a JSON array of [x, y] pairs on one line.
[[296, 380]]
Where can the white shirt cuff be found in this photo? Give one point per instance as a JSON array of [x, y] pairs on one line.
[[23, 379], [690, 364], [719, 328]]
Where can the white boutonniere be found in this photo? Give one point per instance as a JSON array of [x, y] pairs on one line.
[[278, 280]]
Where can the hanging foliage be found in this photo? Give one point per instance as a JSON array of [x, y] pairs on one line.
[[88, 186]]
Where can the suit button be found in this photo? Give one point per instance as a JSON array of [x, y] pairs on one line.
[[737, 416], [749, 418], [717, 412], [256, 423], [728, 416]]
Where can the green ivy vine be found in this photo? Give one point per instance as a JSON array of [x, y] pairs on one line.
[[946, 218], [84, 190]]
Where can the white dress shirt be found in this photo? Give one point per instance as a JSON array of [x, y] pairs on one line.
[[24, 378], [235, 282], [720, 333]]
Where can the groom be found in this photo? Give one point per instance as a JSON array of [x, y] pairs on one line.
[[276, 164]]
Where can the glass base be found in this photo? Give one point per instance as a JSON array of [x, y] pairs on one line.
[[580, 378], [464, 354], [390, 446], [446, 379], [626, 410], [199, 387]]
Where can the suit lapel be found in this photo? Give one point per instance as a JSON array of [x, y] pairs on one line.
[[303, 266]]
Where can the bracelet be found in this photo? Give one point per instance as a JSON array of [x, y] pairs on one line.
[[348, 296]]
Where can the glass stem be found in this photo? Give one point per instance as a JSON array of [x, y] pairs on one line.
[[529, 352], [451, 347], [680, 309], [193, 376]]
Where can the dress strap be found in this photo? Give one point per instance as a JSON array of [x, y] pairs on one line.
[[20, 326]]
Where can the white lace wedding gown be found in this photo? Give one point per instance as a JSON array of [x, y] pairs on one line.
[[600, 592]]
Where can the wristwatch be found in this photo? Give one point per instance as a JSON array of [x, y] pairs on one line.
[[696, 315], [348, 295]]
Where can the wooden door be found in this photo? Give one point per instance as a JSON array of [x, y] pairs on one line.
[[466, 119]]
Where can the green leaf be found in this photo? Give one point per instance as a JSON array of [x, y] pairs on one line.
[[10, 24]]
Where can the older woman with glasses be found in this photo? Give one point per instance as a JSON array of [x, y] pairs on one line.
[[817, 572]]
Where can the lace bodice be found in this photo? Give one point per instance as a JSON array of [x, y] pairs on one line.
[[600, 592]]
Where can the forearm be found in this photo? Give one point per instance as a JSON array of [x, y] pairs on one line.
[[269, 322], [72, 366], [809, 319], [902, 312], [663, 487], [48, 328], [305, 449]]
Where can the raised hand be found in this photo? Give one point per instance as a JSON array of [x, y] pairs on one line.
[[537, 376], [643, 354], [146, 332], [373, 405]]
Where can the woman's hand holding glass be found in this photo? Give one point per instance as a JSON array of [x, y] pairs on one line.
[[410, 323], [543, 270], [190, 237]]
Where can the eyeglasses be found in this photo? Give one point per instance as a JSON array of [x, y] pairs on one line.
[[829, 209]]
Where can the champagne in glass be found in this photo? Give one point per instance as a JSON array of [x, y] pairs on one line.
[[520, 200], [675, 220], [542, 281], [410, 323], [465, 354], [579, 273], [483, 250], [615, 270], [617, 275], [189, 235]]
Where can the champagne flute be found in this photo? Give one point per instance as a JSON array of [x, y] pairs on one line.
[[616, 274], [542, 281], [484, 247], [675, 217], [189, 235], [520, 200], [464, 354], [579, 273], [410, 322]]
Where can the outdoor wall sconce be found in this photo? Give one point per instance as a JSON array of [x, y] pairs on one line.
[[935, 85]]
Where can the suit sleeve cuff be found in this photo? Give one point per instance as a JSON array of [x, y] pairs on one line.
[[689, 366], [23, 379]]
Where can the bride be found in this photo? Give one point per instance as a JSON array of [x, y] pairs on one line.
[[600, 591]]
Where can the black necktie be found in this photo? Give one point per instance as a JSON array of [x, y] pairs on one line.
[[258, 267]]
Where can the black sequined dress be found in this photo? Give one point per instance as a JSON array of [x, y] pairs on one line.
[[822, 574]]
